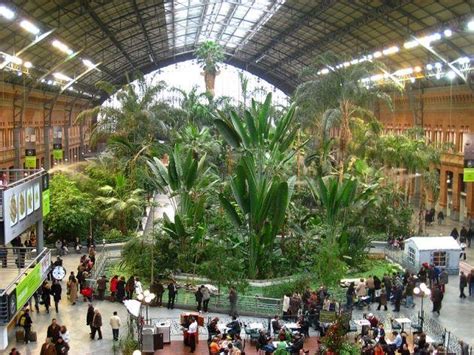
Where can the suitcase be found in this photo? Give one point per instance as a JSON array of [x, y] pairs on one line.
[[33, 336], [20, 335]]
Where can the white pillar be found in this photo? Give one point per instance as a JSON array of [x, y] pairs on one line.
[[3, 337]]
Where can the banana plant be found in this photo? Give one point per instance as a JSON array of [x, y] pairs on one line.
[[189, 184], [260, 188]]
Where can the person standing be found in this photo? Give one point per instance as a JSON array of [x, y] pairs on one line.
[[56, 290], [233, 297], [46, 295], [113, 287], [172, 291], [90, 316], [470, 234], [464, 347], [26, 322], [101, 287], [138, 286], [350, 294], [158, 289], [73, 289], [443, 280], [120, 295], [470, 281], [437, 299], [382, 300], [53, 331], [115, 324], [370, 284], [64, 334], [206, 297], [48, 348], [455, 233], [198, 296], [130, 287], [462, 284], [192, 334], [96, 324], [462, 255]]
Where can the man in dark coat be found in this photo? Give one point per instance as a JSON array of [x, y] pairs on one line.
[[462, 284], [46, 295], [53, 331], [56, 291], [90, 316], [437, 299], [26, 324], [172, 292]]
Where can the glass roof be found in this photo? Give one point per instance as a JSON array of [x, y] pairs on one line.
[[230, 23]]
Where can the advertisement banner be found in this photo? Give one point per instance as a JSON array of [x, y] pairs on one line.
[[30, 159], [27, 286], [468, 139], [19, 212], [46, 203]]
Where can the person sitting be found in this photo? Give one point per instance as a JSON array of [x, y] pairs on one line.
[[276, 325], [397, 342], [374, 322], [212, 327], [297, 346], [234, 326], [264, 342], [232, 350], [214, 348], [238, 342]]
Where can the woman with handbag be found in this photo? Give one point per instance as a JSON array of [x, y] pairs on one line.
[[72, 287]]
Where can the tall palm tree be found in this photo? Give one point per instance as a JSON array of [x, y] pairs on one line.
[[210, 55], [340, 97], [120, 203]]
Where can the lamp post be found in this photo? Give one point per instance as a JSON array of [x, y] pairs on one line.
[[422, 291], [145, 298]]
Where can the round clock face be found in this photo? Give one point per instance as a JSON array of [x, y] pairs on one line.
[[59, 272]]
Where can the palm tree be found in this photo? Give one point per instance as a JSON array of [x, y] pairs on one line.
[[120, 203], [209, 55], [339, 98]]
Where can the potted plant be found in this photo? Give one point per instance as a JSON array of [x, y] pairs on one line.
[[210, 55]]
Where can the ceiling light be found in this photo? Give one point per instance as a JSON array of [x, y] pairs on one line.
[[448, 32], [410, 44], [61, 76], [438, 65], [28, 65], [6, 12], [412, 80], [62, 47], [417, 69], [438, 76], [405, 71], [346, 64], [390, 50], [324, 71], [12, 59], [464, 60], [88, 63], [28, 26], [429, 67], [470, 25], [377, 54], [451, 75], [50, 82]]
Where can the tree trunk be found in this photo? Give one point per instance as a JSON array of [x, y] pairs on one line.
[[210, 81]]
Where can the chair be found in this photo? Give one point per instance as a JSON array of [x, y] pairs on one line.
[[395, 325]]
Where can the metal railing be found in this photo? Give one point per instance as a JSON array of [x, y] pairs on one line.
[[16, 257], [18, 176]]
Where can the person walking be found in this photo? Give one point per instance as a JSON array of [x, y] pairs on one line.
[[120, 295], [440, 217], [62, 347], [113, 287], [443, 280], [26, 322], [48, 348], [64, 334], [382, 299], [90, 317], [193, 333], [470, 234], [206, 297], [73, 289], [46, 295], [462, 284], [53, 331], [233, 297], [101, 287], [115, 324], [454, 233], [96, 324], [56, 290], [462, 255], [172, 291], [350, 294]]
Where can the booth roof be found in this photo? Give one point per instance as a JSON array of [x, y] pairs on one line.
[[435, 243]]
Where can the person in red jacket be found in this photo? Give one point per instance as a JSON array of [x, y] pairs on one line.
[[113, 286]]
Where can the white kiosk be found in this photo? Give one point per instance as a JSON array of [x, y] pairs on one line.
[[443, 252]]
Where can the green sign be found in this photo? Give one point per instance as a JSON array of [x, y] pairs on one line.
[[468, 174], [46, 201], [58, 154], [28, 286], [30, 162]]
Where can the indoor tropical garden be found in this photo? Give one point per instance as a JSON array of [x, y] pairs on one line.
[[292, 194]]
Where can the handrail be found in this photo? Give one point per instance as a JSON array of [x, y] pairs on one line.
[[33, 263], [30, 175]]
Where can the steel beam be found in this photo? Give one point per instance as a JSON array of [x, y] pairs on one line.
[[109, 34], [295, 27], [145, 33], [374, 14], [47, 114]]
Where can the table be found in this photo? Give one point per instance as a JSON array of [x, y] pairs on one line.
[[255, 326], [430, 340], [275, 344], [292, 326], [362, 322], [402, 322]]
